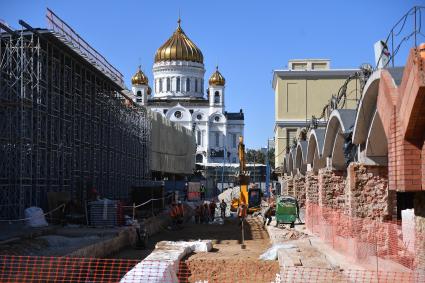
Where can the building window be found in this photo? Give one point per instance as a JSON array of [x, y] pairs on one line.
[[165, 111], [198, 137], [234, 140], [199, 158], [160, 85], [139, 100], [187, 84], [234, 160], [168, 84], [139, 93], [217, 139], [199, 117], [299, 66], [217, 118], [216, 97], [178, 84], [196, 85], [178, 114]]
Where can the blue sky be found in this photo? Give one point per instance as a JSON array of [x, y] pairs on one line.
[[248, 39]]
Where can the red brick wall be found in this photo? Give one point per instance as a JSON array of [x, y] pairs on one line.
[[299, 188], [366, 192], [402, 112], [312, 187], [331, 188]]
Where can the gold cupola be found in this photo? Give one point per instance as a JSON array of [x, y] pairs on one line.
[[139, 78], [217, 78], [179, 48]]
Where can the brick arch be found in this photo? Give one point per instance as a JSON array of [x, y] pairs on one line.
[[314, 149], [366, 109], [341, 121], [300, 157], [402, 112], [377, 143]]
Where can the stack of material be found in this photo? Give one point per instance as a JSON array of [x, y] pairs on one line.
[[228, 195], [105, 213], [194, 192], [163, 263]]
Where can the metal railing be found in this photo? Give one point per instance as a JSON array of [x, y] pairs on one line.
[[57, 25], [399, 33]]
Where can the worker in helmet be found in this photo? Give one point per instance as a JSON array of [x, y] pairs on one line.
[[242, 212], [173, 214]]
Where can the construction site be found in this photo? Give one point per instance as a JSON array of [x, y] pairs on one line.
[[85, 175]]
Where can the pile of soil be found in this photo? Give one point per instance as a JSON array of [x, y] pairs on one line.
[[291, 234], [228, 270]]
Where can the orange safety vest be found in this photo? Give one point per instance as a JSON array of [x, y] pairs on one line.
[[180, 210], [242, 211], [173, 212]]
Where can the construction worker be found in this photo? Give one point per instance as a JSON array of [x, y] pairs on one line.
[[186, 191], [202, 192], [242, 210], [206, 213], [173, 213], [198, 214], [180, 213], [223, 206], [268, 213], [212, 207]]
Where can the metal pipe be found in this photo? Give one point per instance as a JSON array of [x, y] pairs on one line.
[[7, 29]]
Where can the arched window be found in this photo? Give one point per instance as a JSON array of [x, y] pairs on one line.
[[178, 84], [187, 84], [160, 85], [139, 93], [168, 84], [198, 137], [216, 97], [196, 85], [199, 158]]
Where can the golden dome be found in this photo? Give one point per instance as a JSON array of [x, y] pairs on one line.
[[179, 47], [216, 78], [139, 78]]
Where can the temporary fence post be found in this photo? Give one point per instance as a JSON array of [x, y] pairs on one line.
[[152, 207], [243, 235], [376, 251], [134, 210]]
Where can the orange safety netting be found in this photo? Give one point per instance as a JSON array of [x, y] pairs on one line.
[[69, 269], [366, 241]]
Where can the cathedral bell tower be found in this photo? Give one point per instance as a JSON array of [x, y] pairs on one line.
[[216, 89], [140, 88]]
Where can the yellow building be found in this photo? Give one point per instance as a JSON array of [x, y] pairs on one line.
[[301, 92]]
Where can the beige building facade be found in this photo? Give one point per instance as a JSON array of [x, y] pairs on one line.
[[302, 91]]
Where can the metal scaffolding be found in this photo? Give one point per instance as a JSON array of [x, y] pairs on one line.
[[63, 123]]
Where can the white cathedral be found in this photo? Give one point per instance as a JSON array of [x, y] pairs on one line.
[[178, 73]]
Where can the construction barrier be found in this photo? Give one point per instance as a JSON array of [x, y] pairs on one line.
[[18, 269], [385, 245]]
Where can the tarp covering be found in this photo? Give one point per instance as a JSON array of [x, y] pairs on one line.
[[173, 146]]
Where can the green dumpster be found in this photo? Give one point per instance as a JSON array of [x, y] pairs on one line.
[[286, 210]]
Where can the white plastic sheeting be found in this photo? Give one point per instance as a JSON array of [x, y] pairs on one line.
[[173, 146], [408, 228], [271, 253], [35, 217], [163, 263]]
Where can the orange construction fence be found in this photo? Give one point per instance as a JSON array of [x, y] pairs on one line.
[[18, 269], [382, 244]]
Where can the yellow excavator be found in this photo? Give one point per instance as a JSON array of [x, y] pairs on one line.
[[250, 196]]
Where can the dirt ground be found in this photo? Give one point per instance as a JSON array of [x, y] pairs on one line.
[[229, 261]]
